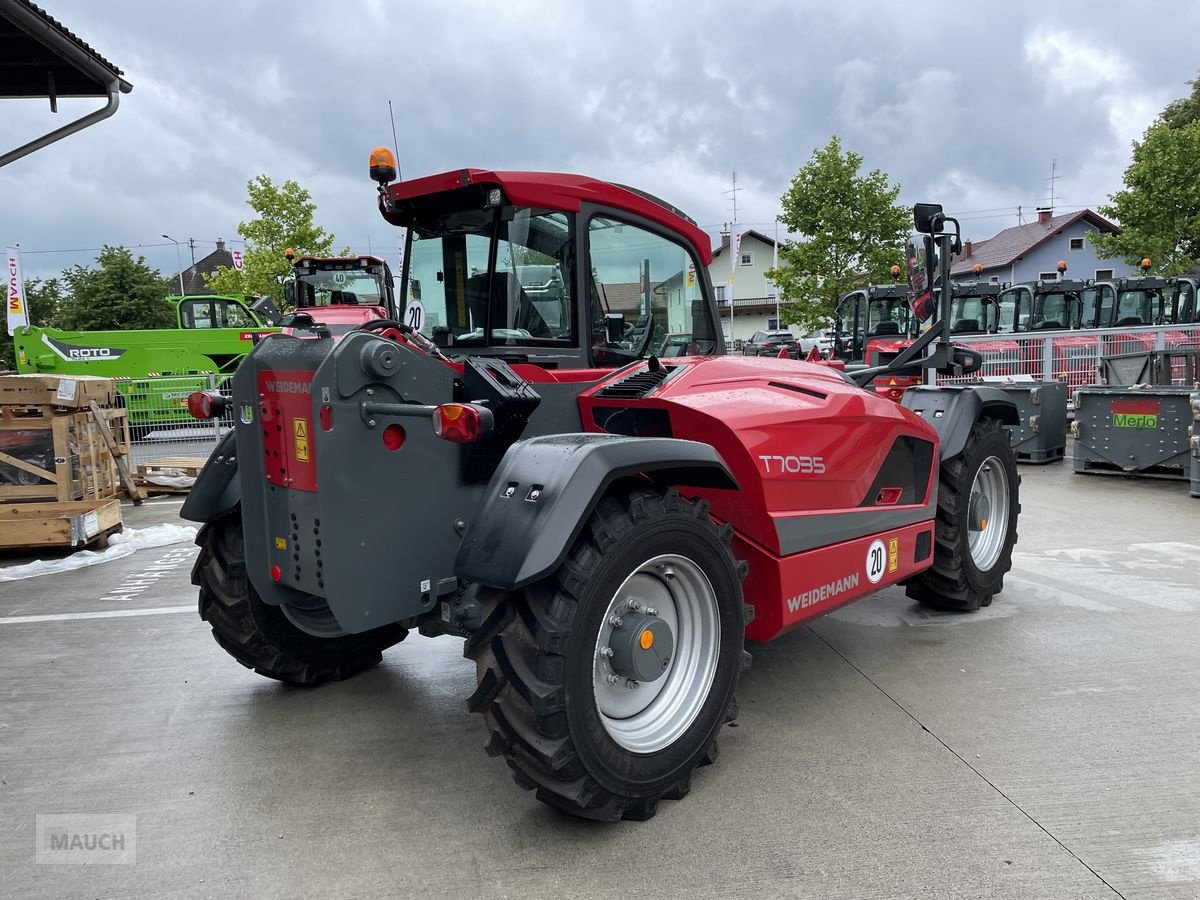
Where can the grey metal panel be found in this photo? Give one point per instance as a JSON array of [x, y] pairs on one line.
[[799, 533], [1194, 442], [1041, 435], [1102, 443]]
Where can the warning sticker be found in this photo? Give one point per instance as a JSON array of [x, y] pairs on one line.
[[893, 554], [300, 433]]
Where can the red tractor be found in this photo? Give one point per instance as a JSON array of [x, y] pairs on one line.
[[603, 527]]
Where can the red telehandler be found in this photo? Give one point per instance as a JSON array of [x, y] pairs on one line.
[[603, 527]]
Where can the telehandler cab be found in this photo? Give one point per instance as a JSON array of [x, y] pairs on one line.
[[602, 527]]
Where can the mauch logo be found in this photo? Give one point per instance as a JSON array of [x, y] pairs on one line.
[[289, 387], [68, 352], [86, 840]]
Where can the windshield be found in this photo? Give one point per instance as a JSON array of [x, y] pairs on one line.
[[341, 286], [529, 301], [971, 314], [1055, 310], [1136, 307]]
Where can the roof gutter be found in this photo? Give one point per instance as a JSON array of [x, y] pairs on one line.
[[37, 27]]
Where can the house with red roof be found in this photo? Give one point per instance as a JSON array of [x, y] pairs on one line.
[[1031, 252]]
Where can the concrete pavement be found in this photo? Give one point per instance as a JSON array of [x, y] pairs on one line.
[[1045, 747]]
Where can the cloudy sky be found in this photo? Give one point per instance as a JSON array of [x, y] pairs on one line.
[[959, 103]]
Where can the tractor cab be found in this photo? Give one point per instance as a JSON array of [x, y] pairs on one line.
[[1041, 306], [216, 311], [877, 314], [572, 274], [1183, 305], [1123, 302], [341, 293]]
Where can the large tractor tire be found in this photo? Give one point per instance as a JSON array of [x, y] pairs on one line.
[[605, 684], [259, 635], [976, 526]]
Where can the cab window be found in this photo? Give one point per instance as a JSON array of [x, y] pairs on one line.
[[650, 281]]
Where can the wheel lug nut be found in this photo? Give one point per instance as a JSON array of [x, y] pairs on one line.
[[615, 621], [632, 685], [613, 679], [635, 605], [606, 652], [668, 572], [651, 611]]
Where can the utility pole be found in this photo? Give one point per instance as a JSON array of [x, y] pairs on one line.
[[192, 247]]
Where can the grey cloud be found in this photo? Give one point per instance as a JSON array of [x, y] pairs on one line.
[[670, 96]]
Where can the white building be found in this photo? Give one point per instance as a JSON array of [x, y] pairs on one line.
[[751, 305]]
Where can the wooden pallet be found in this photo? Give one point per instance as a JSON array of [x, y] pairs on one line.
[[168, 466], [79, 523]]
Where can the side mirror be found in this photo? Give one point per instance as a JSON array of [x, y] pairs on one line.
[[927, 217], [267, 312], [416, 289], [614, 327]]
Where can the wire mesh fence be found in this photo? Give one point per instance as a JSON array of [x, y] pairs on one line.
[[1072, 356], [159, 422]]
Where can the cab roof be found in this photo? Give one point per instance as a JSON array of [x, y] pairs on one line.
[[549, 190]]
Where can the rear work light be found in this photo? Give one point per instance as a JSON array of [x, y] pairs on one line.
[[205, 404], [461, 423]]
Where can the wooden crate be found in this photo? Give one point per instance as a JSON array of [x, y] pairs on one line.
[[70, 524], [63, 453], [61, 391]]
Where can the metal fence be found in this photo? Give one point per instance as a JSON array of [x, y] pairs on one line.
[[159, 421], [1073, 356]]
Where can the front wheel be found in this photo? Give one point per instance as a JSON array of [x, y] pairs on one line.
[[606, 684], [976, 526]]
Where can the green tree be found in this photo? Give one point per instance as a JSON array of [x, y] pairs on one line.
[[1181, 113], [1159, 206], [122, 292], [42, 299], [283, 218], [851, 230]]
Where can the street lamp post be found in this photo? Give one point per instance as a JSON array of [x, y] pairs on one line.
[[178, 261]]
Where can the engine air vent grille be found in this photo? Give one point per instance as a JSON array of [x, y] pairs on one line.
[[639, 384]]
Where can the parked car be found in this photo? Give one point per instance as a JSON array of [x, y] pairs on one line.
[[769, 343], [808, 341]]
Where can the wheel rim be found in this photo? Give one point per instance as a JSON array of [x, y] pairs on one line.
[[989, 492], [653, 715]]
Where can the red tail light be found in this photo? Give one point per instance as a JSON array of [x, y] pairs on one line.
[[461, 423], [205, 404]]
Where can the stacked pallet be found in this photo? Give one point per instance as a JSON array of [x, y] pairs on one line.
[[64, 446]]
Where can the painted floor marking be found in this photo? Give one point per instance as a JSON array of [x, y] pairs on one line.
[[105, 614]]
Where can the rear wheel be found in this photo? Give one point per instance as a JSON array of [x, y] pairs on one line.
[[259, 635], [606, 684], [976, 525]]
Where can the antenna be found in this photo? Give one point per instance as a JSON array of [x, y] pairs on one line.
[[734, 193], [1052, 179], [395, 143]]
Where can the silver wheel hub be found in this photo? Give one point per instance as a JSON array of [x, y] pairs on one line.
[[656, 653], [987, 513]]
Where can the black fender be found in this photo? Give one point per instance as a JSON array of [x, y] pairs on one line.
[[546, 487], [954, 409], [217, 489]]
